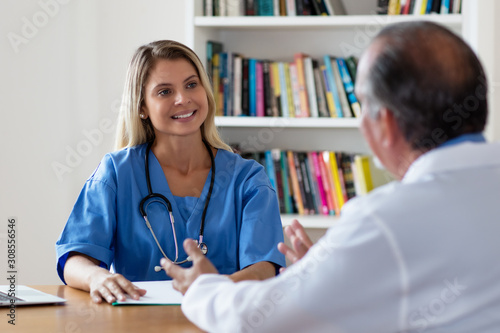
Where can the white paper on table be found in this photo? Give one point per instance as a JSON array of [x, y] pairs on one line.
[[158, 293]]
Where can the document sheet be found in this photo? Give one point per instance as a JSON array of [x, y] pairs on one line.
[[158, 293]]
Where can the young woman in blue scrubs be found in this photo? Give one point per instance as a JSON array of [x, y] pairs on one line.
[[167, 113]]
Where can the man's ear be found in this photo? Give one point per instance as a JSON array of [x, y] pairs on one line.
[[389, 128]]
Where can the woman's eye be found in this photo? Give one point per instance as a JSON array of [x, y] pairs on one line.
[[164, 92], [192, 85]]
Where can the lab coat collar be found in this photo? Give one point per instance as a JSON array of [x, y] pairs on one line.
[[456, 157]]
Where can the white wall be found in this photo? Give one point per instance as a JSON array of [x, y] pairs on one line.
[[481, 29], [58, 81]]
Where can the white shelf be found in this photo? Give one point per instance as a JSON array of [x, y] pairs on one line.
[[300, 134], [310, 221], [280, 122], [301, 22]]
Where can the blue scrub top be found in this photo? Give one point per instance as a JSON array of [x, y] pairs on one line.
[[242, 225]]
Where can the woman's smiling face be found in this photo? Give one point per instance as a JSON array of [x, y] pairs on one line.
[[174, 98]]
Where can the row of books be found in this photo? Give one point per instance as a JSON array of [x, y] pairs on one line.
[[272, 7], [419, 7], [304, 87], [317, 182]]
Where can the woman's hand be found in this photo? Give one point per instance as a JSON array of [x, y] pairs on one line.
[[83, 272], [298, 239], [110, 287]]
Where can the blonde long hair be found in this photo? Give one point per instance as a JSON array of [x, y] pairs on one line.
[[131, 129]]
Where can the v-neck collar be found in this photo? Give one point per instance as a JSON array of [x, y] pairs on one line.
[[159, 184]]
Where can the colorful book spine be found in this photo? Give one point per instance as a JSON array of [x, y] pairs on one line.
[[237, 80], [436, 6], [290, 8], [326, 185], [311, 173], [245, 101], [295, 183], [346, 165], [282, 11], [250, 7], [285, 179], [208, 9], [289, 93], [270, 169], [276, 156], [265, 7], [352, 64], [275, 83], [344, 103], [300, 179], [319, 181], [417, 7], [341, 176], [320, 92], [328, 170], [259, 83], [216, 85], [328, 94], [252, 87], [332, 85], [349, 87], [284, 93], [311, 87], [445, 7], [276, 7], [268, 90], [308, 190], [294, 85], [429, 7], [223, 82], [234, 7], [336, 180], [423, 9], [230, 83], [363, 173], [302, 87], [394, 7], [213, 47], [358, 187]]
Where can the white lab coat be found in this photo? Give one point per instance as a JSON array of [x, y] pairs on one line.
[[412, 256]]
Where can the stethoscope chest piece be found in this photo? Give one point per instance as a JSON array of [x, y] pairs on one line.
[[203, 247]]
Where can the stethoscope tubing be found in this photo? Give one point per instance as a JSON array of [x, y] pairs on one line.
[[147, 200]]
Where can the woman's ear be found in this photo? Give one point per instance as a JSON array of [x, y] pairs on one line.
[[143, 113]]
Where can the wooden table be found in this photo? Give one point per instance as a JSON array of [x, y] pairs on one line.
[[80, 314]]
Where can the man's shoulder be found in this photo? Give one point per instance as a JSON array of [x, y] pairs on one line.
[[461, 157]]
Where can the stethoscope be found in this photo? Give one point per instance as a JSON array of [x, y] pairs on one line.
[[157, 197]]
